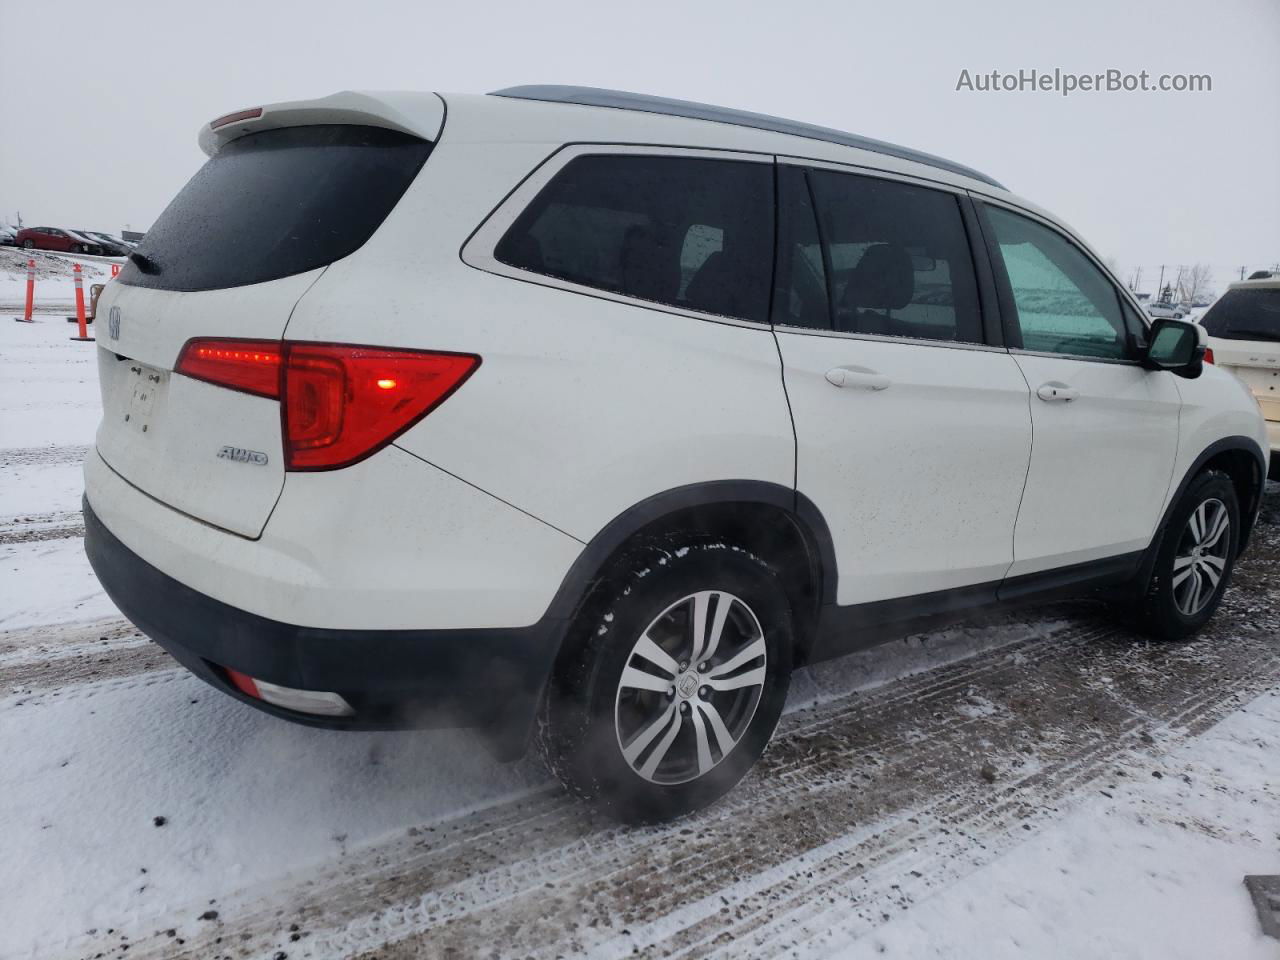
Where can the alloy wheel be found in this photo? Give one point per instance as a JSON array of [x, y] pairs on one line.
[[690, 687], [1201, 557]]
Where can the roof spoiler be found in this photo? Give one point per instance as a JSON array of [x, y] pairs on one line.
[[417, 114]]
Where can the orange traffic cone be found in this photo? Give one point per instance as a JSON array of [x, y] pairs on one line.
[[31, 293], [84, 332]]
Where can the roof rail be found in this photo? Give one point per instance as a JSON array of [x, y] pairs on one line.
[[621, 100]]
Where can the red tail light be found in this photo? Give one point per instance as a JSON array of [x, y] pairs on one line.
[[252, 366], [1208, 355], [339, 402], [342, 403]]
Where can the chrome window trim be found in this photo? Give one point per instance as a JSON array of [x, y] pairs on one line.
[[478, 250], [880, 338], [1018, 351]]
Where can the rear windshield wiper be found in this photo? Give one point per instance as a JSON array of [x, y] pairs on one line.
[[144, 263]]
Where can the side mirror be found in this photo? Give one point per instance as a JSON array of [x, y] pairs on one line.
[[1176, 346]]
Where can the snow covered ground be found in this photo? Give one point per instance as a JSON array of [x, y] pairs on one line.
[[55, 286], [1044, 785]]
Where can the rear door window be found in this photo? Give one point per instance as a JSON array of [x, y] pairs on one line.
[[896, 260], [277, 203], [1245, 314], [690, 232]]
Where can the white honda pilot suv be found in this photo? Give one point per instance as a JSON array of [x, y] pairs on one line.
[[594, 414]]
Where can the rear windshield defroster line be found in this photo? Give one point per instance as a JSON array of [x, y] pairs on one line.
[[277, 203]]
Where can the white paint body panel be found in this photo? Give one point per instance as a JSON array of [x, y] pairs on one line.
[[583, 406], [390, 543], [176, 458], [919, 482], [1215, 405], [1101, 465]]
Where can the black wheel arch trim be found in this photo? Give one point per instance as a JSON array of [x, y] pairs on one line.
[[1248, 511], [592, 560]]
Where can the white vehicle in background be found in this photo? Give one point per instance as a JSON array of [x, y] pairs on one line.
[[1244, 337], [595, 414], [1167, 311]]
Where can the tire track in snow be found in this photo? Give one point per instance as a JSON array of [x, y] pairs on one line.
[[49, 640], [42, 456], [37, 660], [29, 528]]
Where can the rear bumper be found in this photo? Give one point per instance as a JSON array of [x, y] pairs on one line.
[[489, 677]]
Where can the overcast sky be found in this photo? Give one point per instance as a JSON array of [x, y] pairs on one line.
[[102, 100]]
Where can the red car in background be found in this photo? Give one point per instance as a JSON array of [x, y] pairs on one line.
[[51, 238]]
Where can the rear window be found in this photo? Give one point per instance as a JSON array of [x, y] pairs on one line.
[[684, 231], [1245, 315], [277, 203]]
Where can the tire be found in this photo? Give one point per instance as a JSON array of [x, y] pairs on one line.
[[28, 244], [1169, 609], [656, 594]]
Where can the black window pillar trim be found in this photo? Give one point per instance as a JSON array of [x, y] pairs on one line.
[[824, 249], [989, 300], [1007, 307]]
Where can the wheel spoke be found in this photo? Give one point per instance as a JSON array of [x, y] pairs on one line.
[[723, 604], [752, 678], [1196, 583], [744, 656], [1218, 563], [1219, 526], [646, 736], [1213, 575], [702, 603], [657, 656], [1196, 523], [705, 762], [663, 746], [724, 739], [639, 680], [1182, 568]]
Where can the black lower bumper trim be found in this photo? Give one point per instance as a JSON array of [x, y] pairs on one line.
[[489, 678]]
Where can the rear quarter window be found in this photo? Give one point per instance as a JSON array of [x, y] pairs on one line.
[[690, 232], [276, 203]]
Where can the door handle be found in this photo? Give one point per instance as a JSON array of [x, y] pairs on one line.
[[857, 377], [1057, 392]]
